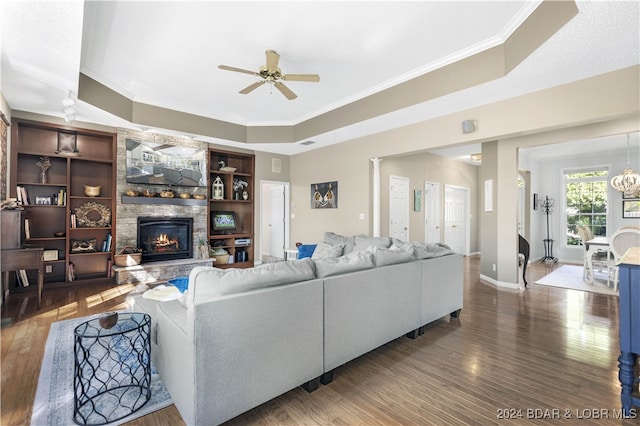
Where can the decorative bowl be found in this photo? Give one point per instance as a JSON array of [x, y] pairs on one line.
[[91, 191], [167, 194], [59, 234], [199, 197], [108, 319], [131, 193], [148, 193], [185, 195], [228, 169]]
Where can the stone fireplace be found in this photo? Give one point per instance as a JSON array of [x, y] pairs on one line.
[[129, 209], [165, 238]]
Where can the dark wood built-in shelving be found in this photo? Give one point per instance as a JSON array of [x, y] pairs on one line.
[[93, 164], [244, 165]]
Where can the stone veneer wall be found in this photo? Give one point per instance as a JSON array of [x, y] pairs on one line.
[[127, 214]]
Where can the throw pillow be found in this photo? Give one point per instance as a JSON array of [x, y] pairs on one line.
[[306, 250], [427, 251], [336, 239], [364, 241], [383, 256], [324, 250]]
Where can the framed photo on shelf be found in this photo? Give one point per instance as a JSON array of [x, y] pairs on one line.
[[43, 200]]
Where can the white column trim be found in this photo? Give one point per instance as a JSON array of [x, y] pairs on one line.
[[376, 196]]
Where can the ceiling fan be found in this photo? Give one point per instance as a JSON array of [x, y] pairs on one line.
[[271, 74]]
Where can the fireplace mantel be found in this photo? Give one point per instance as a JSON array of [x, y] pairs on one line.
[[176, 201]]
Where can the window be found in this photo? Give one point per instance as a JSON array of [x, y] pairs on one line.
[[586, 200]]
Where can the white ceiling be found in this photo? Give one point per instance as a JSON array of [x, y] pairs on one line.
[[167, 54]]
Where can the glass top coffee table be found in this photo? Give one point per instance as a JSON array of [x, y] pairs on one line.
[[112, 374]]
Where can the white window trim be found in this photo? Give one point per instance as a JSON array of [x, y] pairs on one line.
[[585, 169]]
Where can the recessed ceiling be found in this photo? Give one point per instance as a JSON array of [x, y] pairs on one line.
[[167, 54]]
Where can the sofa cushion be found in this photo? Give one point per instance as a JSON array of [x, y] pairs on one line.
[[427, 251], [355, 261], [324, 250], [206, 283], [401, 245], [336, 239], [306, 250], [363, 242], [391, 256]]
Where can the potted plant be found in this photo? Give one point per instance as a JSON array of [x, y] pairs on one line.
[[239, 190]]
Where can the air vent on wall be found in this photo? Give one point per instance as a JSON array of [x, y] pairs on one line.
[[307, 143]]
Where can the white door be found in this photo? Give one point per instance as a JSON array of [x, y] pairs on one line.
[[273, 223], [276, 221], [456, 217], [399, 207], [432, 212]]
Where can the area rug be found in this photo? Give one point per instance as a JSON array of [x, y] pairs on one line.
[[570, 276], [54, 396]]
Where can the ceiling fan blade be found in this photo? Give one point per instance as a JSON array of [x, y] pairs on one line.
[[301, 77], [228, 68], [285, 90], [272, 60], [252, 87]]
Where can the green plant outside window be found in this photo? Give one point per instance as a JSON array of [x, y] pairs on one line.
[[586, 203]]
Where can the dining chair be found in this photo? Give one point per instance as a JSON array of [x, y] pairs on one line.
[[599, 259], [622, 240]]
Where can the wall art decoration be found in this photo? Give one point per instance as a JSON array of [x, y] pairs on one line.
[[324, 195], [630, 209]]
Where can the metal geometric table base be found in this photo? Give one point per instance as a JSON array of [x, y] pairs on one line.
[[112, 375]]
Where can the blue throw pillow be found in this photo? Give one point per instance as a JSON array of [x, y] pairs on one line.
[[306, 250]]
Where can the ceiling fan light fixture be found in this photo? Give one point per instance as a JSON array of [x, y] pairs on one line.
[[270, 73], [629, 181]]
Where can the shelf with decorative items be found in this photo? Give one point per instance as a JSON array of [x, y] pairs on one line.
[[231, 208], [64, 172]]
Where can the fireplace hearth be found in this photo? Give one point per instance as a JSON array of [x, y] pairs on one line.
[[165, 238]]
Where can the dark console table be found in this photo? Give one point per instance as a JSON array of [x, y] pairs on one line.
[[16, 259], [629, 328]]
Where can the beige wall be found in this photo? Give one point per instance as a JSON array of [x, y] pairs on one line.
[[547, 116], [428, 167], [350, 166]]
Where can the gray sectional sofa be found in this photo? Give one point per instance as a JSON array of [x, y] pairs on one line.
[[240, 337]]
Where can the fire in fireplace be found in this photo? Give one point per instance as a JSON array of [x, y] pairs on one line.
[[165, 238]]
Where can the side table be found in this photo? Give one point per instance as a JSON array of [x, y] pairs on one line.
[[112, 374], [13, 260]]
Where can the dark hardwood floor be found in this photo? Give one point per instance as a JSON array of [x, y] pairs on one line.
[[511, 357]]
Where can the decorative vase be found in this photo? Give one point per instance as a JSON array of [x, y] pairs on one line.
[[108, 319], [245, 195], [43, 176]]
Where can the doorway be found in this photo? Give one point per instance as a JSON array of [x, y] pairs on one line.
[[432, 212], [457, 233], [399, 207], [274, 220]]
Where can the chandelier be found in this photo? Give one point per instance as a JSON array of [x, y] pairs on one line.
[[629, 181]]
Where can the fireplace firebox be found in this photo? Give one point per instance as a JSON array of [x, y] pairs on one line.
[[165, 238]]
